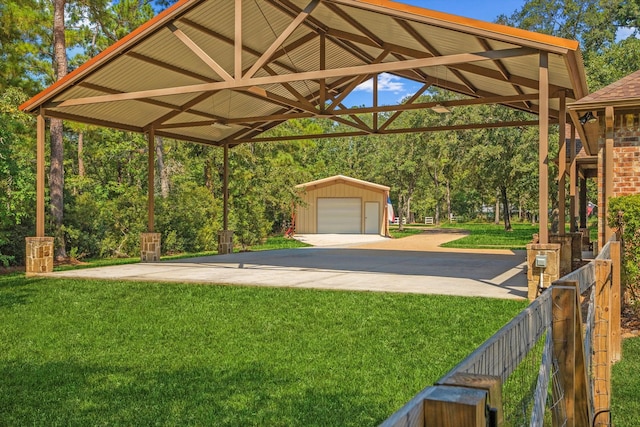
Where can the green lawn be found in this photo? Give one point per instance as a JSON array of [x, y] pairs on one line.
[[79, 353], [625, 402], [493, 236]]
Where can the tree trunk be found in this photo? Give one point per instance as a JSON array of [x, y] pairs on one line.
[[401, 207], [56, 171], [496, 212], [80, 154], [449, 211], [436, 185], [505, 206], [162, 171]]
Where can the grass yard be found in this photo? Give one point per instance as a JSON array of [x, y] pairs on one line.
[[625, 406], [493, 236], [80, 352]]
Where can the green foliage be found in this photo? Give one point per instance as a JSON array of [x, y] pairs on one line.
[[624, 215], [188, 219], [88, 352], [17, 178]]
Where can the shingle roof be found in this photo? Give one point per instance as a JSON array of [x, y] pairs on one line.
[[625, 88]]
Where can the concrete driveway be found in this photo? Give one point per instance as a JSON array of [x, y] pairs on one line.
[[357, 266]]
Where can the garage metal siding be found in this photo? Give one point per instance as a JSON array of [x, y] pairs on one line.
[[339, 215], [306, 212]]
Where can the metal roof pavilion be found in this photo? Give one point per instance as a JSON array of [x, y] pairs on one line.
[[221, 72]]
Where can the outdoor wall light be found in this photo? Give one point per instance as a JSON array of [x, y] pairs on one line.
[[439, 108], [588, 117]]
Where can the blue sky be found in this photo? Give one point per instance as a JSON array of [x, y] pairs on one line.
[[391, 88]]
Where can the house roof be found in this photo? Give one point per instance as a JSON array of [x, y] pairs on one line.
[[222, 72], [625, 91], [341, 179]]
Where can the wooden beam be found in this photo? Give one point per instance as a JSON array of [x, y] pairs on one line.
[[543, 150], [311, 75], [40, 175]]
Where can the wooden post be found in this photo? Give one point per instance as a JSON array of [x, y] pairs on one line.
[[601, 363], [492, 385], [582, 203], [616, 301], [225, 189], [608, 178], [543, 150], [151, 181], [40, 152], [569, 350], [562, 165], [449, 406]]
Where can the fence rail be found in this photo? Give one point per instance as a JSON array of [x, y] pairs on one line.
[[563, 342]]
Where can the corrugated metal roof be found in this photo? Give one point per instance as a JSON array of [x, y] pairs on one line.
[[180, 67], [342, 179]]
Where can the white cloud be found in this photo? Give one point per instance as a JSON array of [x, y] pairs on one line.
[[386, 83]]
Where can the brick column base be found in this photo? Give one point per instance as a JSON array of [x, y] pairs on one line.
[[225, 242], [39, 255], [550, 274], [150, 247]]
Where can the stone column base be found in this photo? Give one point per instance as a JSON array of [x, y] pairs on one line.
[[39, 255], [550, 274], [150, 247], [225, 242], [566, 254]]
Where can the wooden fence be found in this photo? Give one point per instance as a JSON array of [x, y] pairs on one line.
[[571, 332]]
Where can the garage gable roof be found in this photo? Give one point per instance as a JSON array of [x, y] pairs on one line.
[[341, 179], [223, 72]]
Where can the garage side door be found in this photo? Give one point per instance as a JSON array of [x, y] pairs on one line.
[[339, 215]]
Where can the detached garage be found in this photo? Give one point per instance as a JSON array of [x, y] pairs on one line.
[[342, 205]]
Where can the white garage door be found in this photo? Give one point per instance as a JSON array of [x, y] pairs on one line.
[[339, 216]]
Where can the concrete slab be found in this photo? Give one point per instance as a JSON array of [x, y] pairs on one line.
[[339, 240], [340, 268]]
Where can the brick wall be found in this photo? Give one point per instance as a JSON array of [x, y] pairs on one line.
[[626, 161]]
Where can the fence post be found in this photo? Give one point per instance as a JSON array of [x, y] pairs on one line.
[[601, 365], [491, 384], [568, 349], [449, 406], [615, 249]]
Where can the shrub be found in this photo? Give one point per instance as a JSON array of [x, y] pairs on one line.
[[624, 214]]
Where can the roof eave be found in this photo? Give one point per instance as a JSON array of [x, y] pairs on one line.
[[149, 27]]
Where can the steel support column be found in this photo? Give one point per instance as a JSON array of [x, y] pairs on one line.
[[543, 151], [151, 180], [225, 190], [40, 178], [562, 165]]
